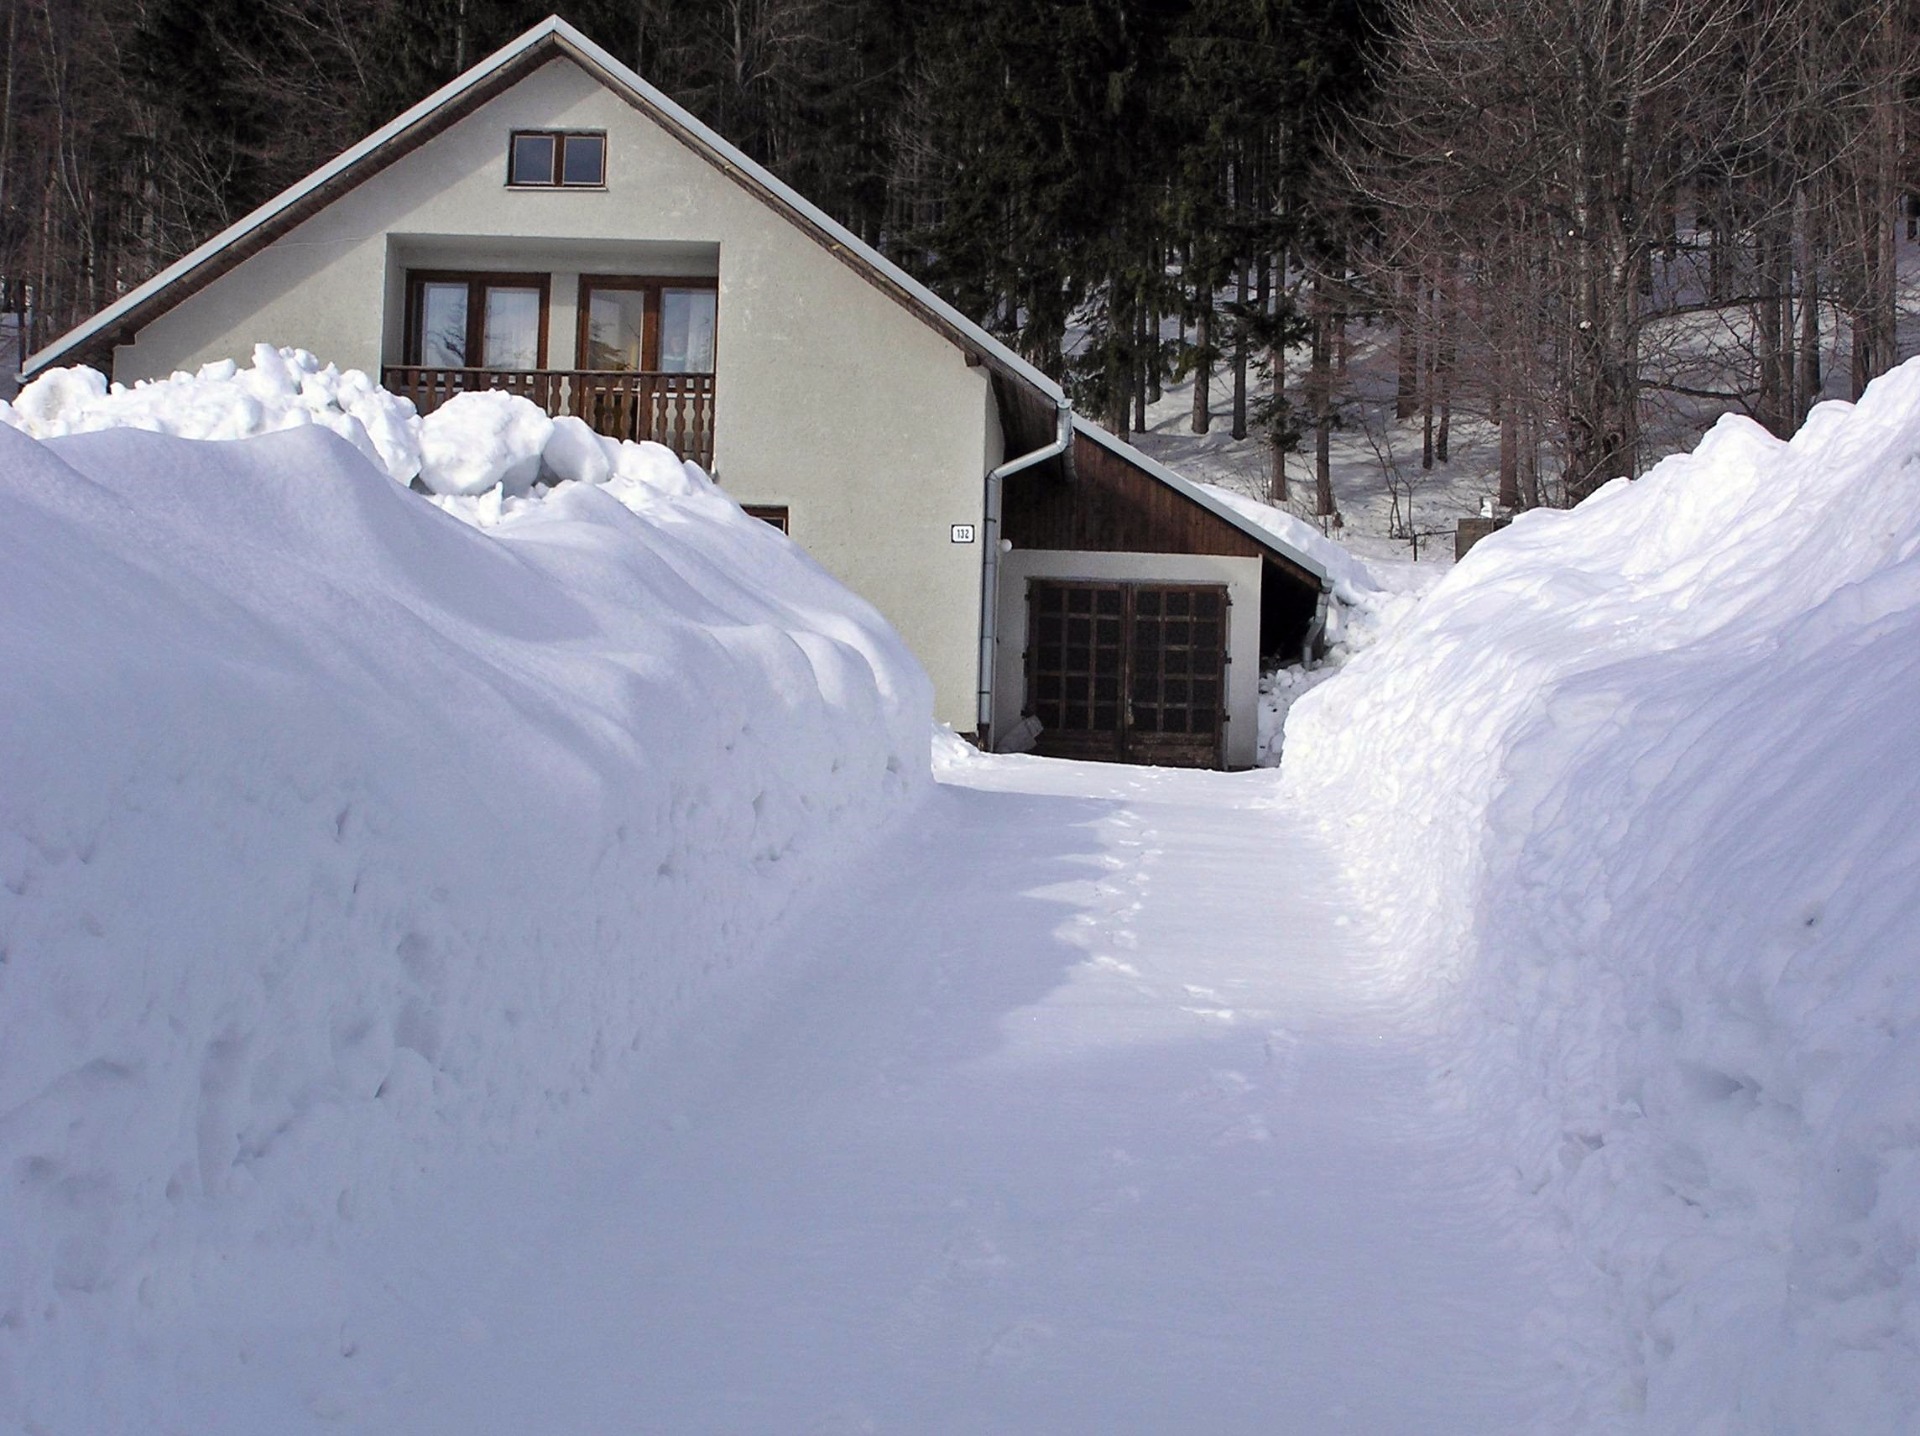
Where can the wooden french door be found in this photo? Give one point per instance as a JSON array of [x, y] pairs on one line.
[[476, 321], [1128, 672]]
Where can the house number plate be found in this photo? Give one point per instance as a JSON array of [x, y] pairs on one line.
[[963, 533]]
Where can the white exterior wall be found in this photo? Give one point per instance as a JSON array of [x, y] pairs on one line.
[[830, 397], [1240, 575]]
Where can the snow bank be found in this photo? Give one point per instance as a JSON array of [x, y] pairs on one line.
[[1369, 599], [1635, 791], [336, 833]]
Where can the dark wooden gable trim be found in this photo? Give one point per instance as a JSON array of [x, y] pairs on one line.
[[1111, 505]]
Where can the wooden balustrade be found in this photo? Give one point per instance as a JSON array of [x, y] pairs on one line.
[[671, 409]]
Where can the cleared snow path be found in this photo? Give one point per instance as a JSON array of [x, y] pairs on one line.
[[1081, 1111]]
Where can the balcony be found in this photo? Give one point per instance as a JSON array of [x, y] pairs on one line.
[[666, 408]]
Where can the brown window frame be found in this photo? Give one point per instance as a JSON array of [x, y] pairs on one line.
[[778, 515], [559, 180], [477, 282], [652, 284]]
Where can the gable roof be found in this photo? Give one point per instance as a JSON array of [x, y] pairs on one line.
[[551, 38], [1023, 389]]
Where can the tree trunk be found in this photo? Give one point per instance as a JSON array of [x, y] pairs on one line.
[[1407, 342], [1810, 377], [1320, 397], [1604, 382], [1509, 495], [1427, 356], [1202, 360], [1443, 318], [1138, 371], [1772, 404], [1277, 368], [1240, 356], [1874, 350], [1154, 321], [1529, 461]]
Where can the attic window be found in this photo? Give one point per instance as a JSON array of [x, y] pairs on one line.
[[547, 159]]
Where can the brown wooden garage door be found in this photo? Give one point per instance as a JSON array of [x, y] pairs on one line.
[[1128, 672]]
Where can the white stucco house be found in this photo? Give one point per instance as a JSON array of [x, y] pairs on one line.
[[551, 224]]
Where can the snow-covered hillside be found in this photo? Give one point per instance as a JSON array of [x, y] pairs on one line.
[[1635, 790], [338, 834]]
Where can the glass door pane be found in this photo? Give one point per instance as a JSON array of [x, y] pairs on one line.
[[616, 329], [443, 325], [512, 339], [686, 331]]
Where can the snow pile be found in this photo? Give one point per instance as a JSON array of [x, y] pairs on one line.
[[1634, 789], [1368, 600], [336, 833], [474, 442], [285, 389], [1280, 689], [470, 445]]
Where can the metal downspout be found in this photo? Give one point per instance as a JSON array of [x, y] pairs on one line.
[[1318, 628], [990, 568]]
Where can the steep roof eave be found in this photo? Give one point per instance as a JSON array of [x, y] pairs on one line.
[[556, 34]]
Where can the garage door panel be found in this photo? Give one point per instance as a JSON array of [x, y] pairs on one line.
[[1075, 657], [1127, 671]]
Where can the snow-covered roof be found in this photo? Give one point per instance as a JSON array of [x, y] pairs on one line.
[[1199, 494], [552, 36]]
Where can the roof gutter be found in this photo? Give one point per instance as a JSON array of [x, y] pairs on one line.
[[990, 569]]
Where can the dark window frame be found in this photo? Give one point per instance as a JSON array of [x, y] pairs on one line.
[[559, 180], [780, 516], [651, 285], [477, 282]]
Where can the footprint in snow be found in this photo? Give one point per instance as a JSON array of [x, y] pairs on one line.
[[1250, 1128], [1017, 1345], [1223, 1087], [1224, 1016], [851, 1419]]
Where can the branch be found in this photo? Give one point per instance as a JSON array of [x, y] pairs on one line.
[[1742, 398]]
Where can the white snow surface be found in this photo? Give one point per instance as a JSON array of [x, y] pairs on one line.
[[339, 837], [463, 966], [493, 961], [1634, 791]]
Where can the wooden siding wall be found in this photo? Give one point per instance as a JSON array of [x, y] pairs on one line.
[[1110, 506]]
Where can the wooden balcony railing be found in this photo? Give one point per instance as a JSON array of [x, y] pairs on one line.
[[671, 409]]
